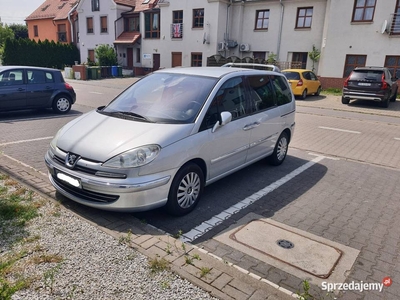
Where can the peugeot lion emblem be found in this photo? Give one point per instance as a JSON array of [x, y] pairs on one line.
[[71, 160]]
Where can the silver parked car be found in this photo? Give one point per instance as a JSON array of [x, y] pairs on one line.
[[170, 134]]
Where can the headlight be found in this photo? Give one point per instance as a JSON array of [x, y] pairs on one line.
[[134, 158], [53, 143]]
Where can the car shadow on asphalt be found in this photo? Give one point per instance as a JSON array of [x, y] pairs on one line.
[[31, 114], [311, 98], [217, 198]]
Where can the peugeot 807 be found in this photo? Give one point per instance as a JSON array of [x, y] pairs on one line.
[[167, 136]]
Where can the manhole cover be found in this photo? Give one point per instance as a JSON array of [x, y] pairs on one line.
[[285, 244]]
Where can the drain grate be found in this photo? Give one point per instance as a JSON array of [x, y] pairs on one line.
[[285, 244]]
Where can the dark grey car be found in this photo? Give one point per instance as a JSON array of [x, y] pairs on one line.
[[23, 87], [370, 83]]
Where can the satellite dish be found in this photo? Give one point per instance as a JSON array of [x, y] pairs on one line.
[[384, 27]]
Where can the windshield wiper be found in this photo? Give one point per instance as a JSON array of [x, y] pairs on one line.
[[127, 113]]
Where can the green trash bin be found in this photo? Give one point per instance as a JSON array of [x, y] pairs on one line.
[[92, 73], [97, 70], [119, 71]]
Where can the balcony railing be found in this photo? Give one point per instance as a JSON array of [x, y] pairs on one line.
[[393, 27], [177, 30]]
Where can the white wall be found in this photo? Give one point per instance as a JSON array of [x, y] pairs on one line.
[[90, 41], [344, 37]]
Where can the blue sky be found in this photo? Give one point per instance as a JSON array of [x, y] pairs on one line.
[[15, 11]]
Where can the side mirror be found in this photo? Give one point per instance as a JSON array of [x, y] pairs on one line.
[[226, 117]]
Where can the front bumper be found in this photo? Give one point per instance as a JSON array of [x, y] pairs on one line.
[[116, 194]]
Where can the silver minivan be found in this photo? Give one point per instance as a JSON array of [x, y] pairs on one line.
[[171, 133]]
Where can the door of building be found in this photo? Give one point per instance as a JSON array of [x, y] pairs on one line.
[[176, 59]]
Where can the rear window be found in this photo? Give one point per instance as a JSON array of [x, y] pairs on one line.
[[371, 75], [292, 75]]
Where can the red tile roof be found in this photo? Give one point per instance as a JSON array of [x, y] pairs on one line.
[[141, 7], [128, 37], [130, 3], [53, 9]]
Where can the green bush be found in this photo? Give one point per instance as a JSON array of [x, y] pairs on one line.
[[42, 54], [106, 55]]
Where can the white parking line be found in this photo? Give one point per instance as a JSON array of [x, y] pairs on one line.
[[338, 129], [226, 214], [398, 139], [27, 141]]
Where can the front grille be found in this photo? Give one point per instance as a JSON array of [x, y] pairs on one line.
[[60, 161], [85, 194]]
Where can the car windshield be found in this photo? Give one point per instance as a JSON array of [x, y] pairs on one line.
[[162, 98], [366, 75], [292, 75]]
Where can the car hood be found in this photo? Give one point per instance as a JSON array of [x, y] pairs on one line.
[[99, 137]]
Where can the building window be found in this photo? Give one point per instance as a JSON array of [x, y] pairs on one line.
[[198, 18], [177, 16], [138, 55], [95, 5], [152, 25], [91, 56], [197, 59], [259, 55], [62, 32], [132, 24], [353, 61], [262, 19], [393, 64], [35, 30], [364, 10], [89, 25], [103, 24], [304, 17]]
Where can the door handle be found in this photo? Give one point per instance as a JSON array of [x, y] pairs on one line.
[[21, 89], [251, 126]]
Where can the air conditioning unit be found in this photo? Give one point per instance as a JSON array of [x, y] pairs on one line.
[[244, 47], [221, 46]]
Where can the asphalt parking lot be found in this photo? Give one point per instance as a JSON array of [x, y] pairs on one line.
[[323, 197]]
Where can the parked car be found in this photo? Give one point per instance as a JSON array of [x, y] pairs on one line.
[[23, 87], [370, 83], [170, 134], [267, 67], [303, 82]]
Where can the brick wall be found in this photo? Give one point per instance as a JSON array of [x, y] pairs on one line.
[[332, 82]]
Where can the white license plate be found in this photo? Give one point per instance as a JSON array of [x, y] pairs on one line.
[[364, 84], [68, 179]]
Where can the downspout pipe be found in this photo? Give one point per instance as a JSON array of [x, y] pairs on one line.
[[280, 30], [70, 22]]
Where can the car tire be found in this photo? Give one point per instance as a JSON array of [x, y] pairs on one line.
[[345, 100], [318, 91], [280, 150], [61, 104], [304, 94], [393, 99], [186, 190], [385, 103]]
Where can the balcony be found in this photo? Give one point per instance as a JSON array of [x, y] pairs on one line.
[[177, 30], [393, 25]]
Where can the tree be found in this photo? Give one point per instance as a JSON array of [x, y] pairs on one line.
[[5, 33], [20, 31], [106, 55], [314, 55]]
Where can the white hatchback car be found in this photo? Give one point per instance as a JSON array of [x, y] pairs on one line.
[[170, 134]]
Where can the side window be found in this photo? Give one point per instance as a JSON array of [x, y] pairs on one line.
[[282, 90], [261, 92], [230, 97], [313, 76], [36, 77], [307, 75], [49, 77], [13, 77]]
